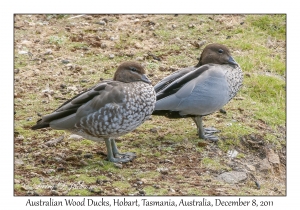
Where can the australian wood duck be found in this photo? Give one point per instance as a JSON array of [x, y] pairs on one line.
[[200, 90], [108, 110]]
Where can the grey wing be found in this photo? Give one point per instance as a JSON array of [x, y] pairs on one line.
[[172, 77], [70, 107]]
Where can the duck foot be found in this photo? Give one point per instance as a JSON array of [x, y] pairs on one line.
[[113, 154], [211, 130]]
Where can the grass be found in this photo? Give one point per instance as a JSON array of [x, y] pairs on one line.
[[257, 43]]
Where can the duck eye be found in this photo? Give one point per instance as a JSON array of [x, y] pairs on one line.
[[133, 69], [220, 51]]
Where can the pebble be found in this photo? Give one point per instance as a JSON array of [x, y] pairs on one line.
[[22, 52], [16, 71], [139, 58], [163, 170], [232, 153], [82, 162], [48, 52], [19, 162], [118, 165], [65, 61], [233, 177], [111, 56], [103, 45], [265, 166], [101, 22], [75, 137]]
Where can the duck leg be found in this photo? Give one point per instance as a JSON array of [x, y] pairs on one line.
[[205, 133], [112, 152], [116, 152]]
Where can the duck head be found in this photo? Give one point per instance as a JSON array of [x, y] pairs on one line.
[[131, 72], [217, 54]]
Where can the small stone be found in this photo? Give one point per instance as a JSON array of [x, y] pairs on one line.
[[48, 52], [49, 171], [20, 138], [163, 170], [191, 26], [232, 153], [19, 162], [251, 167], [273, 157], [233, 177], [16, 71], [101, 163], [118, 165], [139, 58], [65, 61], [23, 52], [101, 22], [139, 182], [75, 137], [111, 56], [103, 45], [172, 190], [29, 119], [153, 130], [265, 166], [83, 163], [174, 26]]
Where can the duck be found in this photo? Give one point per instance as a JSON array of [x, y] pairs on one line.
[[109, 109], [200, 90]]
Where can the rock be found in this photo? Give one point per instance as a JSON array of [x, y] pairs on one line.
[[265, 166], [19, 162], [163, 170], [48, 52], [22, 52], [65, 61], [54, 141], [101, 22], [232, 177], [232, 153], [49, 171], [103, 45], [111, 56], [20, 138], [191, 26], [174, 26], [172, 190], [251, 167], [83, 163], [118, 165], [273, 157], [75, 137]]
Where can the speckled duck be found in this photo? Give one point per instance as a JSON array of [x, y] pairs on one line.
[[108, 110], [200, 90]]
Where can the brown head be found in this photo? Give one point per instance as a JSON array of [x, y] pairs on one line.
[[130, 71], [217, 54]]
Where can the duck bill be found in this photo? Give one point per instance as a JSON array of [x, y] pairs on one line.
[[232, 61], [145, 79]]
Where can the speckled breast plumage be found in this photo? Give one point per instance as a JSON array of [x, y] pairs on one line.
[[116, 119], [234, 76]]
